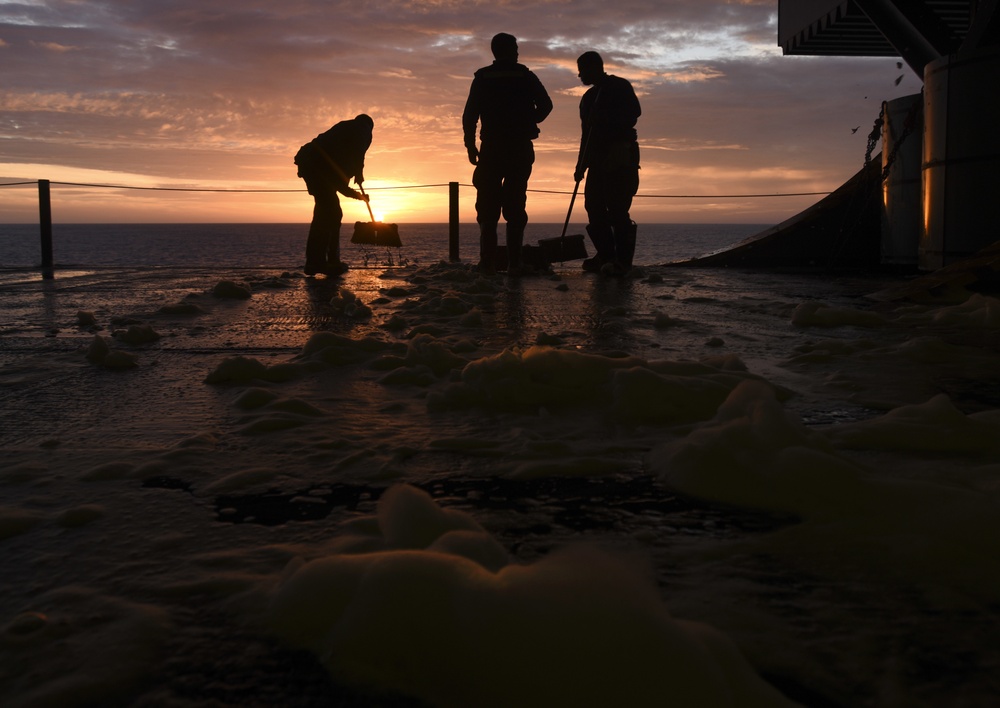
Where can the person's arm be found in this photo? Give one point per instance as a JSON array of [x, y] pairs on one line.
[[346, 190], [581, 163], [631, 105], [543, 104], [586, 129], [342, 182], [359, 176], [470, 119]]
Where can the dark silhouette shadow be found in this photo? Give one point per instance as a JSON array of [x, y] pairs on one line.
[[611, 300], [512, 309]]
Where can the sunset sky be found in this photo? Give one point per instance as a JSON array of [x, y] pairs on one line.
[[219, 94]]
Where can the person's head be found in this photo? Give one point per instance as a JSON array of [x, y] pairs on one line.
[[591, 67], [504, 47], [365, 120]]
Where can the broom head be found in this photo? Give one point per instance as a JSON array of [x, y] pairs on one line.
[[375, 233]]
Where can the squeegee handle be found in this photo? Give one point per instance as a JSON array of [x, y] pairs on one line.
[[582, 156], [572, 199]]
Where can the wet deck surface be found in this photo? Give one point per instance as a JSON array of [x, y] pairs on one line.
[[174, 438], [46, 326]]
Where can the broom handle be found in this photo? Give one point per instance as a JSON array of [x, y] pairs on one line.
[[362, 190]]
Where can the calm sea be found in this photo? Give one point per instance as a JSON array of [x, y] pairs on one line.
[[282, 246]]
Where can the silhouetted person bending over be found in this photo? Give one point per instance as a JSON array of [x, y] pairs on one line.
[[327, 164], [509, 101], [609, 155]]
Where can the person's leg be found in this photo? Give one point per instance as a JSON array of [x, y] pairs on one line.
[[488, 181], [599, 226], [316, 240], [319, 238], [620, 192], [336, 217], [515, 198], [625, 244], [325, 226], [488, 247]]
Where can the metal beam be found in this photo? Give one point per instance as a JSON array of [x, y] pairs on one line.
[[916, 49]]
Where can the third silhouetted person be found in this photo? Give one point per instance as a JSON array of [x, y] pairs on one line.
[[509, 102], [327, 163], [609, 156]]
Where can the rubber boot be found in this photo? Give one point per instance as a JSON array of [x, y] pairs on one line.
[[604, 244], [515, 242], [626, 244], [334, 266], [316, 245], [488, 248]]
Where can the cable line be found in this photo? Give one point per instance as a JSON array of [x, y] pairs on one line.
[[411, 186]]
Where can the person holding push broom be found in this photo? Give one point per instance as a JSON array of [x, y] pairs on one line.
[[609, 156], [327, 164], [509, 101]]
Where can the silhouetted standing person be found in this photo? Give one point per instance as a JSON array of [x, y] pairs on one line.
[[609, 155], [509, 101], [327, 164]]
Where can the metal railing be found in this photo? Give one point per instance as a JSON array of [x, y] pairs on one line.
[[45, 205]]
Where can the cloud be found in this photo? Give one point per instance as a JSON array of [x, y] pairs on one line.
[[54, 47], [196, 92]]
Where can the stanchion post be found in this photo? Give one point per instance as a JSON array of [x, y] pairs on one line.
[[453, 221], [45, 222]]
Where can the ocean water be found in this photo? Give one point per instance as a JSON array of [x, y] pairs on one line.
[[282, 245]]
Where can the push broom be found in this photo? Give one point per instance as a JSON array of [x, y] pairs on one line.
[[375, 233]]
